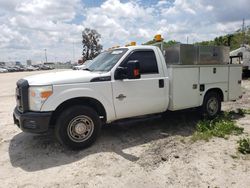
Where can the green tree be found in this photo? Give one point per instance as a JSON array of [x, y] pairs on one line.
[[234, 40], [90, 42]]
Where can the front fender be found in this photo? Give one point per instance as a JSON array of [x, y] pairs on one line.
[[101, 92]]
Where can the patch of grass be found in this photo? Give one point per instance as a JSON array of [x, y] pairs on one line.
[[244, 145], [246, 111], [221, 126], [238, 112]]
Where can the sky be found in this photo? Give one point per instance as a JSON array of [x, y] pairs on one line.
[[28, 27]]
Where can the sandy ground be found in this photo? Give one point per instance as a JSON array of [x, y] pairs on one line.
[[153, 152]]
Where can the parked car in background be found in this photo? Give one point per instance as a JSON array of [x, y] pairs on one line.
[[32, 68], [11, 69], [45, 67], [19, 68], [2, 70], [36, 67]]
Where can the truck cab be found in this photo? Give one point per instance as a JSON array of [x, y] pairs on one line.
[[120, 83]]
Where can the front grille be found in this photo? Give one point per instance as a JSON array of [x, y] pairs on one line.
[[22, 95]]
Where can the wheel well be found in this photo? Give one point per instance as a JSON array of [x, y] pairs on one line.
[[216, 90], [87, 101]]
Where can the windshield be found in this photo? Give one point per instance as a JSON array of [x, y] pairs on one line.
[[106, 60], [86, 63]]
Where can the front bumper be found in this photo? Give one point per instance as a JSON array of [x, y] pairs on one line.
[[34, 122]]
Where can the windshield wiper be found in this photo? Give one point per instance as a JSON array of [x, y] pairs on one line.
[[87, 69], [99, 70]]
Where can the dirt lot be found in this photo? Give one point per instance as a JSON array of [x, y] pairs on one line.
[[153, 152]]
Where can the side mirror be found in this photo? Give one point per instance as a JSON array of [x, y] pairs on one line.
[[133, 69], [121, 73]]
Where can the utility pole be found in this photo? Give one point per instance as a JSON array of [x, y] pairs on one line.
[[243, 31], [187, 39], [73, 53], [45, 52]]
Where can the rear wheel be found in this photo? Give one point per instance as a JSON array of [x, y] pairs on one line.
[[211, 105], [78, 127]]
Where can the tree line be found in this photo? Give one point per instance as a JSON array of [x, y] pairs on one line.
[[92, 47], [233, 40]]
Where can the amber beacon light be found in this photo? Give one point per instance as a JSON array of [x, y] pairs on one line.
[[133, 43], [158, 38]]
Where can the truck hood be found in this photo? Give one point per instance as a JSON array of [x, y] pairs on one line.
[[64, 77]]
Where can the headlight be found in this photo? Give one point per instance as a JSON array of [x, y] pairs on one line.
[[38, 95]]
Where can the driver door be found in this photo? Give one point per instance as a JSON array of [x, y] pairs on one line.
[[147, 95]]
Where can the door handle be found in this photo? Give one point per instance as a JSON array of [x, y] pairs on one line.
[[120, 97], [161, 83]]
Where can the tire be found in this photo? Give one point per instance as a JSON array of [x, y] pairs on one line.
[[211, 106], [78, 127]]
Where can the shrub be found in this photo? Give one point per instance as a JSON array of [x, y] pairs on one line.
[[244, 145], [221, 126]]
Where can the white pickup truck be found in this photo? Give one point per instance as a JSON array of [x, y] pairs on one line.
[[120, 83]]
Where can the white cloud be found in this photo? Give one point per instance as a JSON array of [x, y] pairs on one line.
[[29, 26], [62, 10], [12, 39], [32, 26], [120, 23], [209, 8]]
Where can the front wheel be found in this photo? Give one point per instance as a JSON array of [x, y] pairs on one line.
[[211, 106], [78, 127]]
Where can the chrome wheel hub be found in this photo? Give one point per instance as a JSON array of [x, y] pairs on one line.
[[80, 128], [212, 106]]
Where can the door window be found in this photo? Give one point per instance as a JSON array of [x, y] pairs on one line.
[[147, 60]]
